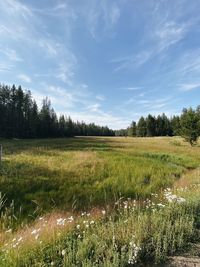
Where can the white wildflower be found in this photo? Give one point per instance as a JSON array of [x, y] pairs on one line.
[[63, 252], [70, 219], [61, 221], [161, 205]]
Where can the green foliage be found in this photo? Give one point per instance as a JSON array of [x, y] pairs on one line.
[[127, 237], [189, 126], [142, 127], [132, 129]]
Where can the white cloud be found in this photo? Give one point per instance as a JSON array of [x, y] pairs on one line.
[[48, 47], [132, 88], [99, 118], [169, 33], [189, 86], [11, 54], [101, 17], [94, 107], [100, 97], [24, 78], [65, 73], [13, 7], [132, 61], [114, 14]]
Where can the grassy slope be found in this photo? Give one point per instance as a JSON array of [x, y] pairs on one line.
[[84, 172]]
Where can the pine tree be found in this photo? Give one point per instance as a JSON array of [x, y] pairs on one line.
[[189, 126]]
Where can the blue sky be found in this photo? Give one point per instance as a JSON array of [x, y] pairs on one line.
[[107, 62]]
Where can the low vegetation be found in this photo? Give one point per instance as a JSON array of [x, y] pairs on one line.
[[97, 201]]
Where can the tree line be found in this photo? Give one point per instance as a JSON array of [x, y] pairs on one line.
[[186, 125], [20, 117]]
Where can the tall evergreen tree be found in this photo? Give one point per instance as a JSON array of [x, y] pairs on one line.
[[151, 125], [142, 127], [189, 126]]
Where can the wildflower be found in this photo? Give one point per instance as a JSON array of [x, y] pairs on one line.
[[180, 199], [70, 219], [63, 252], [161, 205], [92, 222], [78, 226], [171, 197], [52, 263], [103, 212], [35, 231], [61, 221]]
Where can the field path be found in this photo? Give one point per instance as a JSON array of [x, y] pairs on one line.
[[184, 262], [188, 178]]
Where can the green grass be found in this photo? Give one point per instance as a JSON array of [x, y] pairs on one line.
[[84, 172], [71, 175]]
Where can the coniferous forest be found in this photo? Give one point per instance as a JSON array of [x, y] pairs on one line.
[[20, 117]]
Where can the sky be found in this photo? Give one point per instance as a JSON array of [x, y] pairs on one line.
[[103, 61]]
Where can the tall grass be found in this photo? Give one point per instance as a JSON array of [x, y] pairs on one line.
[[129, 236], [85, 172], [59, 178]]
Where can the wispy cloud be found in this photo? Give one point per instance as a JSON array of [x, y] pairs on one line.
[[131, 88], [11, 54], [65, 73], [168, 33], [94, 107], [48, 46], [24, 78], [100, 97], [163, 32], [5, 67], [189, 86], [101, 17], [131, 62]]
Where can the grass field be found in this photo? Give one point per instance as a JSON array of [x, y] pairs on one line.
[[121, 182]]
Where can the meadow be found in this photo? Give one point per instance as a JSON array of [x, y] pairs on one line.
[[98, 201]]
